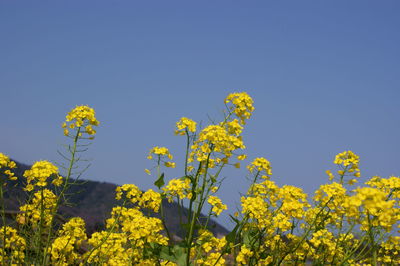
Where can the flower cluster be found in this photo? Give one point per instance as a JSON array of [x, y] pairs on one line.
[[185, 125], [42, 208], [133, 232], [13, 251], [179, 188], [65, 248], [81, 116], [215, 138], [110, 249], [242, 105], [212, 247], [7, 164], [39, 174], [217, 205], [149, 199], [160, 153], [349, 161], [260, 165]]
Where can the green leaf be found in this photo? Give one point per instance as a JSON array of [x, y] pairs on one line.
[[160, 181], [232, 235], [249, 236], [176, 254], [213, 179]]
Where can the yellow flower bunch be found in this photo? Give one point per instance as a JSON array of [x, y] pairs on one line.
[[14, 246], [131, 192], [372, 207], [323, 240], [109, 249], [136, 227], [293, 201], [243, 257], [81, 116], [65, 248], [179, 188], [160, 153], [150, 200], [43, 201], [7, 164], [233, 127], [242, 105], [388, 185], [255, 208], [332, 194], [211, 247], [349, 161], [267, 190], [261, 165], [185, 124], [217, 205], [389, 247], [215, 138], [40, 172]]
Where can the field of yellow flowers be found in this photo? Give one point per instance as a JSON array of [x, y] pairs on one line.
[[345, 222]]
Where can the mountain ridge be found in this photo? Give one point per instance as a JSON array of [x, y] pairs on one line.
[[93, 201]]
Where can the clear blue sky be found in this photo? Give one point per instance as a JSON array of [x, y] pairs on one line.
[[324, 76]]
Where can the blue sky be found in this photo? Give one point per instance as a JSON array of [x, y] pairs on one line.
[[324, 76]]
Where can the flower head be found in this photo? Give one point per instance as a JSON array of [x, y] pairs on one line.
[[81, 116], [261, 165], [242, 105], [7, 164], [185, 124], [39, 174]]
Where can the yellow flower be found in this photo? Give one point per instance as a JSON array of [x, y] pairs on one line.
[[242, 105], [31, 213], [14, 246], [169, 164], [151, 200], [177, 188], [260, 165], [131, 192], [39, 173], [7, 164], [65, 248], [349, 161], [242, 157], [81, 116], [217, 138], [217, 206], [244, 255], [183, 124], [330, 175]]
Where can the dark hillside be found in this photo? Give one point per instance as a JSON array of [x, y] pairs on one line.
[[93, 201]]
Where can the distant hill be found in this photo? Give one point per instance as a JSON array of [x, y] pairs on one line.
[[93, 201]]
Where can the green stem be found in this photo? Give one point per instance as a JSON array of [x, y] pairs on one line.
[[64, 188], [196, 213]]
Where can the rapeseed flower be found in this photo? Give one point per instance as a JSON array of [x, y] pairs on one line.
[[242, 105], [39, 174], [217, 205], [7, 164], [179, 188], [185, 124], [14, 246], [81, 116]]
